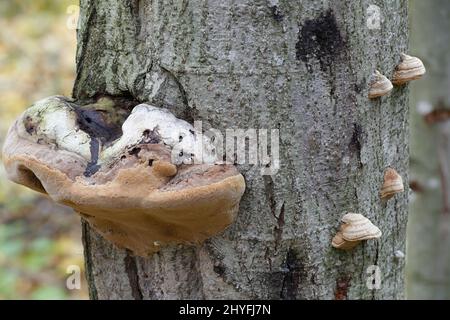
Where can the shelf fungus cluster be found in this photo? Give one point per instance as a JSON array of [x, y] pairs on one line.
[[392, 184], [354, 229], [410, 68], [136, 175], [379, 86]]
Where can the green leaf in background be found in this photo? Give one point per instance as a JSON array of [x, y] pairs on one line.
[[36, 242], [11, 248], [8, 280], [49, 293]]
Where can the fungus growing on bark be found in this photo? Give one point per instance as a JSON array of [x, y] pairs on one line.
[[354, 229], [339, 242], [135, 184], [392, 184], [410, 68], [379, 85]]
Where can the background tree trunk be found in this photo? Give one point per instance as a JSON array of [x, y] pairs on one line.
[[428, 267], [299, 66]]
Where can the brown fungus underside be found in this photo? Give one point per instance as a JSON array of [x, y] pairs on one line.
[[137, 199]]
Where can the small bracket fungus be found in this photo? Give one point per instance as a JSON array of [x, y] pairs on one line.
[[140, 178], [354, 229], [379, 85], [410, 68], [392, 184]]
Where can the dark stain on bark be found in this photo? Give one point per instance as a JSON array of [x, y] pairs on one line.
[[87, 52], [88, 260], [133, 277], [190, 114], [270, 197], [135, 8], [180, 86], [219, 270], [342, 286], [295, 273], [355, 141], [276, 13], [375, 263], [125, 102], [377, 252], [320, 38], [358, 87], [268, 258], [279, 228]]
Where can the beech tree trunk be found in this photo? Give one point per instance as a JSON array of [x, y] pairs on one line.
[[428, 268], [302, 67]]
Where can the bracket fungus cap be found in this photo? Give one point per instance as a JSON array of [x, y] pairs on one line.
[[354, 229], [410, 68], [392, 184], [339, 242], [379, 86], [126, 186]]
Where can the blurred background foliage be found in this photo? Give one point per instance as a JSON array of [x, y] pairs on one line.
[[38, 239], [428, 237]]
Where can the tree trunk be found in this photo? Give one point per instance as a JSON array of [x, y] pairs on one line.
[[428, 269], [302, 67]]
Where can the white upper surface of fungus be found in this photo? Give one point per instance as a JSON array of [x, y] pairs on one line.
[[187, 145], [56, 122]]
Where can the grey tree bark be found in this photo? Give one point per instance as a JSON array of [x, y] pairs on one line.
[[428, 267], [302, 67]]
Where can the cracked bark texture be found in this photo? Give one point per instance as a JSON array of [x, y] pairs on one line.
[[428, 256], [299, 66]]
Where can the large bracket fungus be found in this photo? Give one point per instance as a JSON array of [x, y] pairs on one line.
[[141, 178]]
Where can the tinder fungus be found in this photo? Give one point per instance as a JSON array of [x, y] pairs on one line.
[[354, 229], [392, 184], [410, 68], [379, 85], [139, 176]]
